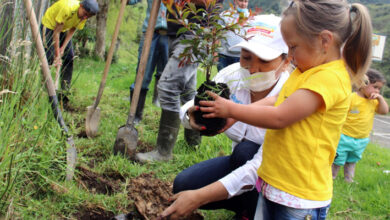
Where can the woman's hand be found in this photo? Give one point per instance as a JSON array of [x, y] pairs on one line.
[[229, 122], [219, 108], [184, 203], [191, 116]]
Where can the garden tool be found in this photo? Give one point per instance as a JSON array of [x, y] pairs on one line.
[[93, 112], [71, 153], [127, 136]]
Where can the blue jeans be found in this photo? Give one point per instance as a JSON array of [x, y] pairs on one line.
[[268, 210], [158, 58], [67, 58], [209, 171], [224, 61]]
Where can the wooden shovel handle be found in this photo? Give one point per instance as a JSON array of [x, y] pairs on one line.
[[40, 50], [110, 53], [57, 80], [144, 58]]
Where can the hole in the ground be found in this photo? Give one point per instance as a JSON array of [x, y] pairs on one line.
[[96, 183], [95, 213]]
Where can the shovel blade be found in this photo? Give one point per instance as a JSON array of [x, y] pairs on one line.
[[126, 141], [92, 121], [71, 158]]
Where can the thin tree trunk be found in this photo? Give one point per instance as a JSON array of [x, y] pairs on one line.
[[6, 26], [101, 23]]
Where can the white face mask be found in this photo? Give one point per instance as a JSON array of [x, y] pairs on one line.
[[243, 10], [261, 81]]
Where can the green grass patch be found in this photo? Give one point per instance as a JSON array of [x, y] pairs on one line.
[[33, 139]]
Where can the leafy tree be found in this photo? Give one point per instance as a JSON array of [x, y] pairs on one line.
[[205, 43]]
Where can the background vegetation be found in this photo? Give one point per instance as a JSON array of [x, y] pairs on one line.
[[33, 150]]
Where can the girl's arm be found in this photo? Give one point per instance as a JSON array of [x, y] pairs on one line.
[[382, 108], [270, 101], [297, 106]]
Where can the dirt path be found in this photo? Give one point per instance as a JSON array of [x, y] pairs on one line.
[[381, 131]]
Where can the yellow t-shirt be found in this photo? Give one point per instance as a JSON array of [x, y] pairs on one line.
[[360, 117], [297, 159], [63, 11]]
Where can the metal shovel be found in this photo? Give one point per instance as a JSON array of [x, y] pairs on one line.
[[127, 136], [71, 153], [93, 112]]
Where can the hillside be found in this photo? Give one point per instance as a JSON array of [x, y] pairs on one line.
[[380, 17]]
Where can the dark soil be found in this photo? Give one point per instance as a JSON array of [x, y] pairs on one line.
[[213, 125], [95, 157], [114, 175], [82, 134], [96, 183], [150, 196], [93, 213]]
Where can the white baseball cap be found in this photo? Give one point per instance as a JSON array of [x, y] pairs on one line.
[[265, 38]]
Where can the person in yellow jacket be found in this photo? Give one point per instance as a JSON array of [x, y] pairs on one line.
[[60, 22], [356, 131]]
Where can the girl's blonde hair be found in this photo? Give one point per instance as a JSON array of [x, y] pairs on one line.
[[351, 26]]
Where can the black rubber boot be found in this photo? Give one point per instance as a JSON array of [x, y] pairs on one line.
[[192, 137], [140, 106], [166, 139]]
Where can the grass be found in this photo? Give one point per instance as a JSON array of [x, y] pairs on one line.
[[33, 150], [38, 152]]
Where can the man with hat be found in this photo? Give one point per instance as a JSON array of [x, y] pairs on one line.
[[60, 21]]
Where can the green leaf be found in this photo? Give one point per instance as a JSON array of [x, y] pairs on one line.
[[185, 15], [192, 6], [181, 31]]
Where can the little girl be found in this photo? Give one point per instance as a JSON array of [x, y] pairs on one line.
[[356, 130], [329, 42]]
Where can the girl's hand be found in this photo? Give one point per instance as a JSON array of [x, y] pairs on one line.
[[184, 203], [375, 96], [219, 108]]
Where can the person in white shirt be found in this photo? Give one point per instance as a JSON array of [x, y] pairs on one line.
[[228, 54], [261, 72]]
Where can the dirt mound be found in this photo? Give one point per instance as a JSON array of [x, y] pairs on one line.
[[150, 196]]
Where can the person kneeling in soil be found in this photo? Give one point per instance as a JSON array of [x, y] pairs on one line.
[[261, 73], [356, 130]]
